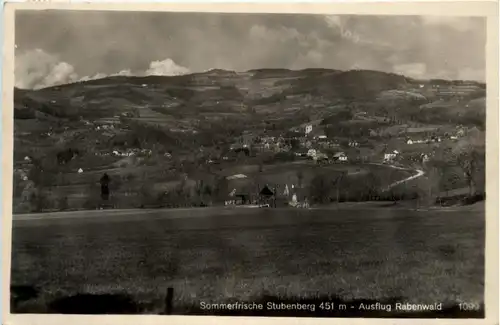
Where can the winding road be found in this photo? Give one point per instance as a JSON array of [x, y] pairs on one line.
[[419, 173]]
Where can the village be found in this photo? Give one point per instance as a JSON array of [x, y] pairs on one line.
[[307, 144]]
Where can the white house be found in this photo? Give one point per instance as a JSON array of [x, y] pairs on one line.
[[391, 155], [80, 171], [311, 153], [409, 141], [340, 156], [309, 129]]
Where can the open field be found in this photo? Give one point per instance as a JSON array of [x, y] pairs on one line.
[[223, 254]]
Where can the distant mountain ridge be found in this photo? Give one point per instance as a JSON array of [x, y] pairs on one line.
[[256, 73], [221, 98]]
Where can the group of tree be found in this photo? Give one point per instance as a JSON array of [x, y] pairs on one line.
[[328, 187]]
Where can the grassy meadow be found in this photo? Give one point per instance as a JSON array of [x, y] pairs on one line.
[[224, 254]]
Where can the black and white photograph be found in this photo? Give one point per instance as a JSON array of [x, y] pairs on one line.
[[249, 164]]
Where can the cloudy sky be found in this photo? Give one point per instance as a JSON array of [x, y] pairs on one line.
[[54, 47]]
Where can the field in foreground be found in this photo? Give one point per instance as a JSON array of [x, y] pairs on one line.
[[223, 255]]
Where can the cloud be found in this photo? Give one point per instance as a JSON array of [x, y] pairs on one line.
[[166, 67], [37, 69], [114, 41]]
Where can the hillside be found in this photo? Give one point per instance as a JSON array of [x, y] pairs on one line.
[[195, 118], [196, 102]]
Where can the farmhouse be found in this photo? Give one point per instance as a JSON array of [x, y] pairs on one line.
[[390, 156], [311, 153], [308, 129], [301, 153], [416, 141], [340, 156]]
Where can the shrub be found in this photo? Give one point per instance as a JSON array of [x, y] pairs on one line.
[[63, 203]]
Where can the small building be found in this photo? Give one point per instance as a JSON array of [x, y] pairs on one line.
[[409, 141], [308, 129], [311, 153], [301, 153], [425, 158], [340, 157], [390, 156]]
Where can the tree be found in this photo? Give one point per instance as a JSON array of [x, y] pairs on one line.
[[63, 203], [295, 144], [221, 189], [321, 188], [147, 196], [469, 155], [432, 184], [300, 178], [337, 182], [372, 186]]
